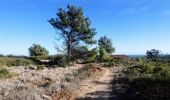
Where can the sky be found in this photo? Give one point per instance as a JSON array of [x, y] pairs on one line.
[[134, 26]]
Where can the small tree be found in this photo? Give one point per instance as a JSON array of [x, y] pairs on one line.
[[38, 50], [103, 55], [73, 27], [106, 43], [92, 55], [153, 54]]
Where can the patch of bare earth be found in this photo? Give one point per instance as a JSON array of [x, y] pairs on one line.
[[97, 88]]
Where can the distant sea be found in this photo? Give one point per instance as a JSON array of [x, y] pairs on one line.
[[136, 56]]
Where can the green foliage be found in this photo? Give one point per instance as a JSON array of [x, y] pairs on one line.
[[148, 81], [103, 55], [38, 50], [81, 52], [111, 63], [106, 43], [105, 48], [59, 60], [139, 60], [22, 62], [161, 73], [147, 89], [40, 67], [92, 55], [122, 61], [153, 54], [73, 28], [4, 73], [141, 69], [8, 61]]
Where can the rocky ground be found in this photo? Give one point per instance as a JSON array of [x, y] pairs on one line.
[[32, 84], [51, 84]]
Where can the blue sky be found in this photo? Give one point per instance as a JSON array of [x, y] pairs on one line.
[[133, 25]]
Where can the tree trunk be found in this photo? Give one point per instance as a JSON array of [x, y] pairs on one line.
[[69, 49]]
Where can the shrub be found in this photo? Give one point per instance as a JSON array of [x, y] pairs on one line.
[[8, 61], [139, 60], [141, 69], [59, 60], [103, 55], [40, 67], [121, 61], [86, 71], [147, 89], [42, 57], [148, 69], [157, 69], [38, 50], [110, 63], [161, 73], [4, 73], [22, 62], [92, 55], [106, 43]]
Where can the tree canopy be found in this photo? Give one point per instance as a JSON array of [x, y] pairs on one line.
[[106, 43], [74, 28], [153, 54], [38, 50]]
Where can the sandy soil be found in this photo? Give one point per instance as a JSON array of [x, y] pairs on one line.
[[38, 84], [99, 88]]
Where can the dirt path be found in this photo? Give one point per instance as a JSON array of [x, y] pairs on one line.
[[98, 88]]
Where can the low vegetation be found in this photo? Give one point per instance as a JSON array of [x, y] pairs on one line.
[[11, 61], [38, 50], [147, 79], [4, 74]]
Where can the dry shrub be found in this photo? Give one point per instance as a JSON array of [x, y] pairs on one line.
[[64, 95]]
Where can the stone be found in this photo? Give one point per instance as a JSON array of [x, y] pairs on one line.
[[45, 97], [33, 67]]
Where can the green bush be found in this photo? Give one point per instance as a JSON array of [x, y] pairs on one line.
[[40, 67], [38, 50], [92, 55], [161, 73], [147, 89], [148, 69], [123, 61], [148, 81], [4, 73], [22, 62], [104, 57], [59, 60], [141, 69], [139, 60], [111, 63], [8, 61], [157, 69]]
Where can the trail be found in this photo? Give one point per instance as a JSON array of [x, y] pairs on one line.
[[98, 88]]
